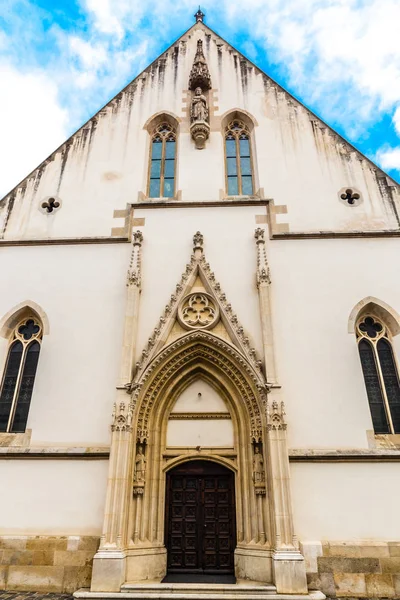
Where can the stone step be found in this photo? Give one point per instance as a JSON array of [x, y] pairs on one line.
[[203, 588], [179, 591]]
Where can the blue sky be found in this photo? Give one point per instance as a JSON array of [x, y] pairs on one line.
[[60, 61]]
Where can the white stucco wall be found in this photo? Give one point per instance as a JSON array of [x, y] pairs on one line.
[[82, 291], [54, 497], [346, 501], [315, 285]]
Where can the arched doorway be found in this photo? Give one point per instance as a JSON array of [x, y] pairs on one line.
[[200, 519]]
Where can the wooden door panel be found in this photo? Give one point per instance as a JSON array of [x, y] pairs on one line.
[[200, 519]]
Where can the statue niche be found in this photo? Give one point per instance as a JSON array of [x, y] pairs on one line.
[[199, 85]]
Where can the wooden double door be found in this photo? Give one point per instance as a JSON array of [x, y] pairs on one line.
[[200, 518]]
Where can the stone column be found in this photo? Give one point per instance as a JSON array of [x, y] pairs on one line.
[[109, 562], [263, 285], [288, 564]]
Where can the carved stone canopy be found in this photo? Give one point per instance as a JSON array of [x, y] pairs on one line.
[[199, 75]]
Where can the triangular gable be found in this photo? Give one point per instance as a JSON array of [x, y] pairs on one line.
[[88, 127], [180, 316]]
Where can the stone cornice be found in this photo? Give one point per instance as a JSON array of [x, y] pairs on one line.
[[350, 455], [60, 452]]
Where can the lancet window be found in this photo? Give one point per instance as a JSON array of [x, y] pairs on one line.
[[239, 171], [162, 162], [380, 373], [19, 375]]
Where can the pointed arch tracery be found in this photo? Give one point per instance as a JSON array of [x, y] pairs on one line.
[[19, 372], [218, 359], [375, 323]]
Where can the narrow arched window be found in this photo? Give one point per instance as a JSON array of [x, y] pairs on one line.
[[162, 162], [380, 374], [19, 375], [239, 170]]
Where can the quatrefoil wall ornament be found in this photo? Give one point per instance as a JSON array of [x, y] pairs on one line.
[[350, 196], [50, 205], [198, 311]]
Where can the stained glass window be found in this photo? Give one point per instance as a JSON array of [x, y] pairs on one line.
[[239, 174], [380, 374], [19, 376], [162, 162]]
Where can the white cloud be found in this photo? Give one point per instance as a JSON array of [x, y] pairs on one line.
[[389, 158], [32, 123], [396, 120]]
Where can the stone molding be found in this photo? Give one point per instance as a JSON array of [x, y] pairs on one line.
[[198, 416]]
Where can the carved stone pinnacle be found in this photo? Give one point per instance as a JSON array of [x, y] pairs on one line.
[[137, 238], [198, 241]]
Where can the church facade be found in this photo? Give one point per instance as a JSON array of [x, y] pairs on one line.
[[199, 348]]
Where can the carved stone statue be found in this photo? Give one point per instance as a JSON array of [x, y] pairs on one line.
[[140, 464], [199, 110], [258, 466]]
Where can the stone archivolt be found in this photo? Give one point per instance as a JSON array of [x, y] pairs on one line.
[[213, 354]]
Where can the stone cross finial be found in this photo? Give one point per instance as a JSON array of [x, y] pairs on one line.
[[199, 16]]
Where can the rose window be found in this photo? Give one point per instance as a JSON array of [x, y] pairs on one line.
[[198, 311]]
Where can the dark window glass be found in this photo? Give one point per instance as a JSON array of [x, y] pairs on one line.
[[156, 149], [232, 166], [168, 188], [230, 147], [26, 388], [9, 383], [170, 149], [154, 188], [372, 384], [247, 186], [239, 173], [169, 169], [245, 166], [391, 381], [233, 189], [162, 170], [155, 169], [244, 146]]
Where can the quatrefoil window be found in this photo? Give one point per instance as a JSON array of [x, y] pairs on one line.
[[198, 311], [51, 204], [370, 327], [28, 329], [350, 196]]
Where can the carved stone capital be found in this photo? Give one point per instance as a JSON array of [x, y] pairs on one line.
[[200, 132]]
